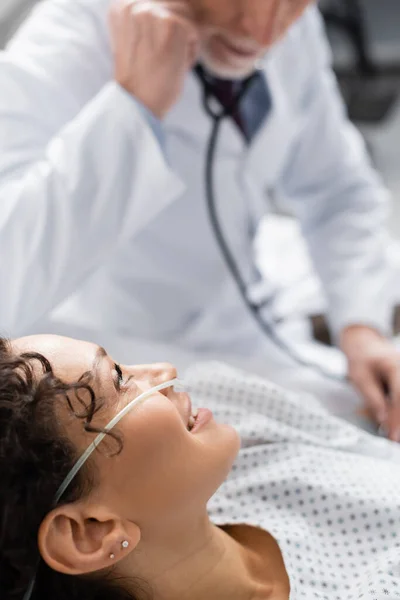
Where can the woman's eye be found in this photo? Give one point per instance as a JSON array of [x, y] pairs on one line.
[[119, 380]]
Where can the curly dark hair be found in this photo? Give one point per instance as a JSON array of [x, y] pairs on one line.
[[35, 457]]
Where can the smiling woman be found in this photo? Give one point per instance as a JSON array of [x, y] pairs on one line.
[[55, 394], [308, 507]]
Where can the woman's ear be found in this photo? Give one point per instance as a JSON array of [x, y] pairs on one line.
[[76, 539]]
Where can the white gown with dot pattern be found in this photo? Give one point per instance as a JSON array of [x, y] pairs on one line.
[[328, 492]]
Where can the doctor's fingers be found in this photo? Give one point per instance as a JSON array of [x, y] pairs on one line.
[[169, 25], [175, 8], [393, 421], [369, 384], [183, 30], [182, 8]]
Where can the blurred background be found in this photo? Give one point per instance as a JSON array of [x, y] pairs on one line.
[[365, 38]]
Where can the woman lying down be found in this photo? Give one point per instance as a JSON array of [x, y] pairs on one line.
[[156, 502]]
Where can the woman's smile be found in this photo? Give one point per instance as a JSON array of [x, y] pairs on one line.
[[203, 417]]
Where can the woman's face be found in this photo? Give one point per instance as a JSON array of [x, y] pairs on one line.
[[237, 33], [164, 470]]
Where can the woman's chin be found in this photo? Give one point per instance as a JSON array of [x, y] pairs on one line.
[[231, 439]]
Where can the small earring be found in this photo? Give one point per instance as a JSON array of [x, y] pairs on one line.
[[112, 556], [125, 544]]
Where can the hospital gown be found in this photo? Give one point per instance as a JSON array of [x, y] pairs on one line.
[[328, 492]]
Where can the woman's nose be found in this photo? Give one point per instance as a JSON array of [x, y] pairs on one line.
[[163, 372], [154, 374]]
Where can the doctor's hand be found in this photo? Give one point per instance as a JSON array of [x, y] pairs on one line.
[[374, 369], [155, 43]]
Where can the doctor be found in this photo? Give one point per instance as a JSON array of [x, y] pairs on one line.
[[104, 221]]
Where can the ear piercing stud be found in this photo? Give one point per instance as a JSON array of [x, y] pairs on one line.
[[124, 545]]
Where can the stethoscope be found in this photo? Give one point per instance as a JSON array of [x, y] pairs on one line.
[[218, 115]]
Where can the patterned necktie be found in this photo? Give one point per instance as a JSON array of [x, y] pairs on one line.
[[251, 111]]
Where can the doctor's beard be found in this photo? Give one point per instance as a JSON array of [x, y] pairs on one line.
[[219, 62]]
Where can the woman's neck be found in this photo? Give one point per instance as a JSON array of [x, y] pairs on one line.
[[198, 563]]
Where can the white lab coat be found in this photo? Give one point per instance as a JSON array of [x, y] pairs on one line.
[[104, 227]]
